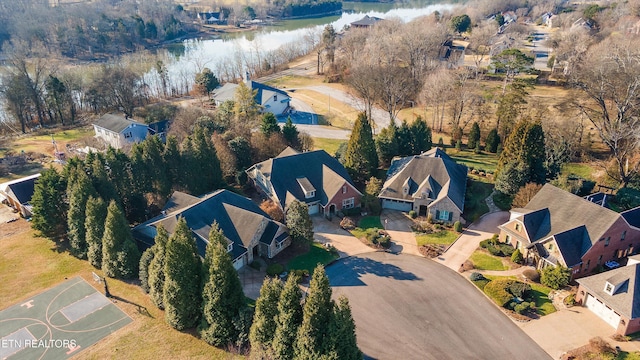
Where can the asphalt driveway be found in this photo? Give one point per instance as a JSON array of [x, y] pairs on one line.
[[408, 307]]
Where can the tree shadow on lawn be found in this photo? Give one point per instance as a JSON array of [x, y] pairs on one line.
[[348, 272]]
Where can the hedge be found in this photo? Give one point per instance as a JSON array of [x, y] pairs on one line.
[[497, 290]]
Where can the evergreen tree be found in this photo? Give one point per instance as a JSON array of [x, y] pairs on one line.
[[269, 124], [361, 159], [474, 136], [314, 338], [156, 267], [492, 141], [79, 193], [524, 152], [171, 160], [288, 320], [245, 107], [241, 148], [143, 273], [97, 171], [299, 222], [404, 137], [290, 134], [120, 256], [152, 149], [223, 298], [387, 144], [183, 277], [95, 216], [343, 332], [265, 318], [201, 163], [49, 212], [420, 136]]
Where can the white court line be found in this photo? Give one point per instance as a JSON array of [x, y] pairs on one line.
[[83, 307]]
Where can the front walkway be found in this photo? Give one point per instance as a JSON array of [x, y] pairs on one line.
[[470, 239]]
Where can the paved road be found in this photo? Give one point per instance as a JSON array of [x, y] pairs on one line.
[[468, 242], [408, 307]]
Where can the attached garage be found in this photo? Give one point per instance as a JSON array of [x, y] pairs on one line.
[[239, 262], [397, 205], [603, 311], [314, 209]]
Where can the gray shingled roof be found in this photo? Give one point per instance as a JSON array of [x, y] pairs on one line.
[[263, 92], [632, 216], [238, 217], [366, 21], [321, 171], [115, 123], [436, 167], [568, 211], [573, 244], [21, 189], [626, 300]]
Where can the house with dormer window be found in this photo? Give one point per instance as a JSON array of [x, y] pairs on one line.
[[314, 177], [430, 184], [614, 296]]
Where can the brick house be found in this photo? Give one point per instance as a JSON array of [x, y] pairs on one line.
[[430, 184], [314, 177], [614, 296], [560, 228], [250, 232]]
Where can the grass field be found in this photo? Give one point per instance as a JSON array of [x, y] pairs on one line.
[[317, 255], [42, 143], [544, 306], [334, 112], [484, 261], [30, 265], [442, 237], [367, 222], [328, 145], [582, 170], [485, 161]]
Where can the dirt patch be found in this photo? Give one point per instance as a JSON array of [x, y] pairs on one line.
[[431, 250]]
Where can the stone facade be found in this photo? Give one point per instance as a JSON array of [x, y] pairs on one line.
[[436, 208]]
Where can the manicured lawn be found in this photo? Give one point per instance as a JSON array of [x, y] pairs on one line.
[[582, 170], [541, 294], [317, 255], [328, 145], [474, 204], [485, 161], [365, 223], [484, 261], [442, 237]]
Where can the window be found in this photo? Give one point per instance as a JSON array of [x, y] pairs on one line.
[[587, 267], [405, 190], [344, 189], [550, 247], [230, 247], [624, 233], [507, 239], [275, 97], [444, 215], [278, 245], [517, 227], [348, 203], [606, 241], [608, 288], [127, 135], [310, 194], [599, 260]]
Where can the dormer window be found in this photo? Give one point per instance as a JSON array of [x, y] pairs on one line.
[[275, 97], [405, 190], [309, 195], [517, 227], [308, 189], [608, 288], [230, 247]]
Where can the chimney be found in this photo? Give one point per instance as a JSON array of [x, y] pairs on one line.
[[247, 77]]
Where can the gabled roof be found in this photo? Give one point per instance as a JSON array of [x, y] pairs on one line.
[[263, 92], [573, 244], [626, 299], [632, 216], [115, 123], [366, 21], [20, 189], [446, 177], [320, 170], [536, 224], [566, 211], [238, 217]]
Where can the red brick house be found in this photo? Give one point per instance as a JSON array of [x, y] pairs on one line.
[[315, 178], [560, 228]]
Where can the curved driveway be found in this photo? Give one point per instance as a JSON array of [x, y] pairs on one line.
[[408, 307]]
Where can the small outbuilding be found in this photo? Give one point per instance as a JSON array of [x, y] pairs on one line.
[[17, 193]]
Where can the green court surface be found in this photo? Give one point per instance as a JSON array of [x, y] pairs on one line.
[[58, 323]]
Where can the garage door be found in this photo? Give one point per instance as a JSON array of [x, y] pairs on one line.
[[604, 312], [314, 209], [238, 263], [396, 205]]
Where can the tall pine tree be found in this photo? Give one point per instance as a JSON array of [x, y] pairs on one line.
[[49, 213], [265, 318], [420, 136], [343, 332], [223, 298], [120, 256], [269, 124], [387, 144], [288, 320], [299, 222], [361, 159], [314, 338], [474, 136], [95, 216], [405, 139], [79, 194], [143, 272], [156, 267], [290, 134], [183, 278]]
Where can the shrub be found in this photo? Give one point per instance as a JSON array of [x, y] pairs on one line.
[[347, 223], [467, 265], [475, 276], [519, 289], [516, 257], [496, 290], [384, 241], [457, 226], [255, 265], [570, 300], [274, 269], [532, 275], [430, 218], [506, 249], [494, 250], [555, 277], [413, 214], [486, 243], [522, 308]]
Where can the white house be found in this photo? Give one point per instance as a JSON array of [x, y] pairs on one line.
[[269, 98], [119, 131]]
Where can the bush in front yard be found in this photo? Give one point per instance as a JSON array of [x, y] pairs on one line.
[[497, 290], [347, 223], [524, 307], [519, 289], [532, 275], [274, 269], [457, 226], [494, 250], [379, 237], [413, 214], [506, 250], [516, 257], [475, 276], [555, 277]]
